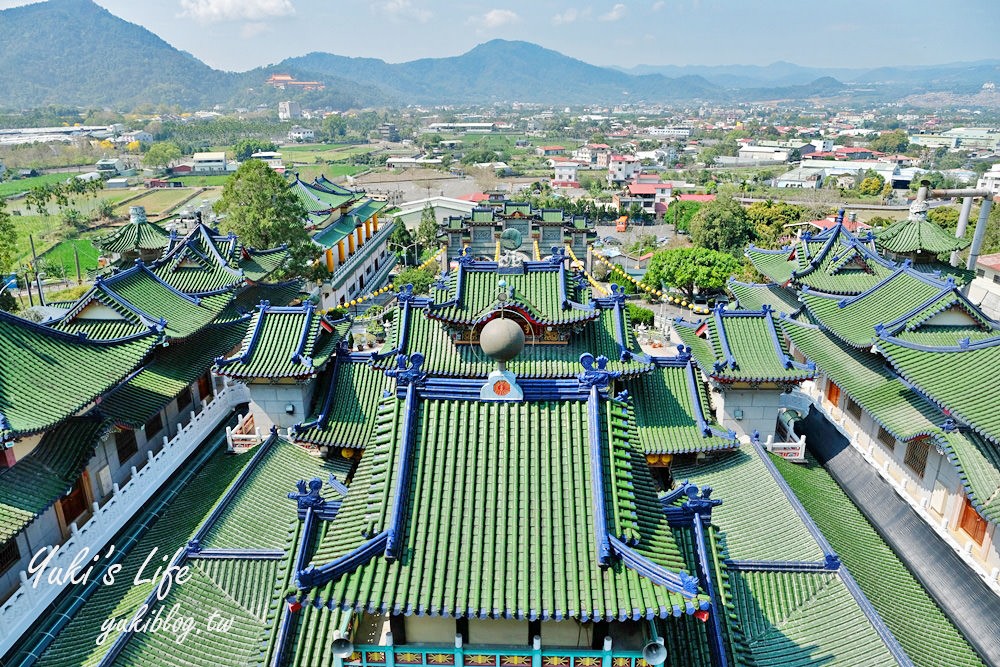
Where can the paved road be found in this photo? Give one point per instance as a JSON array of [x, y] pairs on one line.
[[973, 607]]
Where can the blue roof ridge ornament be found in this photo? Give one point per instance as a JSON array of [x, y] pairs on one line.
[[617, 295], [595, 373], [405, 293], [407, 370], [700, 501], [465, 257], [558, 254], [308, 498]]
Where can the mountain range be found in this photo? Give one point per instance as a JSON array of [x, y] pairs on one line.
[[106, 61]]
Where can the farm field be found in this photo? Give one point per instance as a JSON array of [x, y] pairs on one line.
[[60, 259], [158, 202], [8, 188]]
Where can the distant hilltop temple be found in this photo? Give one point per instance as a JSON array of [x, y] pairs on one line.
[[287, 81]]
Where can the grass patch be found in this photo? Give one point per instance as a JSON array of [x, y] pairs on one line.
[[159, 201], [8, 188], [60, 261], [68, 294]]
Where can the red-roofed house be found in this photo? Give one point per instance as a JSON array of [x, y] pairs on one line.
[[623, 168], [652, 197], [565, 174], [549, 150], [474, 197]]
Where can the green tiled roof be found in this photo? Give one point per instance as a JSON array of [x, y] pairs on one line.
[[247, 299], [748, 348], [962, 379], [853, 320], [367, 209], [203, 261], [918, 234], [284, 343], [170, 372], [925, 633], [134, 236], [804, 618], [36, 481], [754, 296], [47, 375], [329, 236], [351, 398], [904, 412], [945, 335], [756, 519], [258, 265], [317, 197], [103, 329], [668, 416], [444, 357], [537, 545], [537, 292], [165, 524], [836, 262]]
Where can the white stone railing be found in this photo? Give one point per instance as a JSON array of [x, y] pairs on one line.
[[29, 601], [245, 435], [810, 395], [792, 451]]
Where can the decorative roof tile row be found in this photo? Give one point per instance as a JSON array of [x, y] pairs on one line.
[[754, 296], [919, 234], [284, 342], [47, 375], [741, 346], [345, 408], [527, 522], [904, 412], [36, 481]]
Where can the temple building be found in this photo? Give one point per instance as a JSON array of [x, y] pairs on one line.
[[508, 480], [89, 397], [905, 367], [354, 242], [486, 231]]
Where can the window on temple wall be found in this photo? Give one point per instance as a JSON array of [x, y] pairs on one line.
[[9, 555], [972, 523], [853, 408], [886, 439], [832, 392], [153, 426], [916, 456], [74, 503], [126, 446], [205, 387], [184, 399]]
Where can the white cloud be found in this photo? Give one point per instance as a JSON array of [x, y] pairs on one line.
[[211, 11], [402, 9], [657, 6], [568, 16], [7, 4], [497, 17], [617, 12], [254, 29]]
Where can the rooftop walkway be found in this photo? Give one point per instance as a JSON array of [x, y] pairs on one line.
[[971, 606]]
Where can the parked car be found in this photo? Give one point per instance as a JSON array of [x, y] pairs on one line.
[[611, 240]]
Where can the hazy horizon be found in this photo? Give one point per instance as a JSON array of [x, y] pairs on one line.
[[238, 35]]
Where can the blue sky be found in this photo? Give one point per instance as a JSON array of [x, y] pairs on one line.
[[241, 34]]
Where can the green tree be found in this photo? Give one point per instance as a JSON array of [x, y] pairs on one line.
[[161, 154], [890, 142], [263, 211], [421, 279], [722, 225], [769, 219], [401, 242], [871, 184], [944, 216], [679, 213], [8, 239], [688, 268], [428, 228], [247, 147], [639, 315]]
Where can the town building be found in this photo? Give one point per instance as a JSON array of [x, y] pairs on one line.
[[271, 158], [211, 163], [289, 110], [622, 169], [653, 197], [289, 82], [598, 156], [565, 174], [669, 132], [990, 180], [300, 134]]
